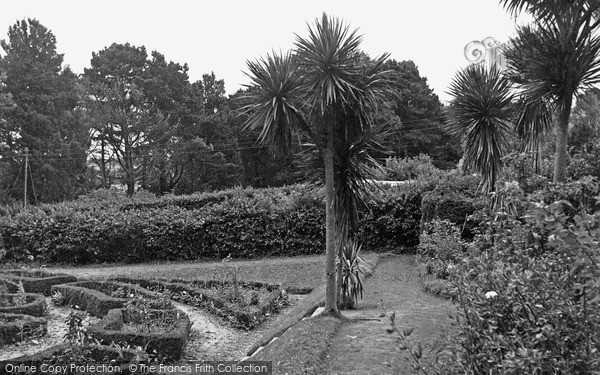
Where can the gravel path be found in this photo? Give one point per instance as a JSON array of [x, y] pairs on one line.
[[363, 346]]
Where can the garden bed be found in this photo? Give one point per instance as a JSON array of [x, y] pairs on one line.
[[98, 297], [163, 333], [36, 281], [21, 327], [22, 303], [243, 305]]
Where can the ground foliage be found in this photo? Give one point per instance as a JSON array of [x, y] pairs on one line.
[[527, 287]]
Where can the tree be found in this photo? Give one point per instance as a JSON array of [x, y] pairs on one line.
[[480, 116], [115, 78], [553, 61], [45, 119], [328, 91], [420, 130]]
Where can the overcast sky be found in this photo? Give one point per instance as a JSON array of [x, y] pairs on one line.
[[219, 36]]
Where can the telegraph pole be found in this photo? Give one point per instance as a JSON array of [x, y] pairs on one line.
[[25, 184]]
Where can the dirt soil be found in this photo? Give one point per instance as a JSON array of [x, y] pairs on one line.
[[363, 346], [57, 328]]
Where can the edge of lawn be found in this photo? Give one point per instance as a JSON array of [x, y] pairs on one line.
[[301, 344]]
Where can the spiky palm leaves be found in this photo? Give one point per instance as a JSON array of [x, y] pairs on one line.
[[553, 60], [328, 90], [479, 114]]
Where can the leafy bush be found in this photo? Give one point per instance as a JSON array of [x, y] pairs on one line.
[[402, 169], [441, 247], [527, 290], [392, 221], [455, 201]]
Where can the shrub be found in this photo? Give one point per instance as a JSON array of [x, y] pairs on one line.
[[36, 281], [392, 220], [165, 345], [23, 303], [21, 327], [528, 296], [441, 247], [246, 223], [402, 169]]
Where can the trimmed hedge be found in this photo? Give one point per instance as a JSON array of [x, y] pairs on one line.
[[16, 327], [201, 294], [36, 281], [167, 346], [92, 296], [246, 223], [34, 305]]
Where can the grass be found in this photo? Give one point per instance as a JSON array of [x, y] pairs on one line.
[[297, 275], [303, 348]]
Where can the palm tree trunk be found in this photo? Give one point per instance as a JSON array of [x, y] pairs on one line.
[[331, 307], [562, 135]]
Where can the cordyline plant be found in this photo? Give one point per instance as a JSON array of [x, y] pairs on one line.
[[327, 90], [479, 115], [552, 62]]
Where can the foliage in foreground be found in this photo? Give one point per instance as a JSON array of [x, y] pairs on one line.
[[527, 287]]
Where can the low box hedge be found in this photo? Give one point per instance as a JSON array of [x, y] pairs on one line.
[[19, 327], [167, 346], [33, 304], [202, 295], [94, 296], [36, 281]]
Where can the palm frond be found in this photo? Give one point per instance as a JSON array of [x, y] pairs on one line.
[[327, 57], [275, 97], [479, 115], [545, 9]]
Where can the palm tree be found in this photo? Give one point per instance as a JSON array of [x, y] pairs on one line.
[[480, 116], [327, 90], [553, 61]]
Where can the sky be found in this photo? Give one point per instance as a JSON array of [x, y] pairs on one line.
[[220, 36]]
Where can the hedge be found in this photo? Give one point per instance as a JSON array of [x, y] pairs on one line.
[[19, 327], [33, 304], [246, 223], [36, 281], [167, 346], [92, 296]]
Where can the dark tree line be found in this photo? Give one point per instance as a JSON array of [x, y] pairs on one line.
[[133, 119]]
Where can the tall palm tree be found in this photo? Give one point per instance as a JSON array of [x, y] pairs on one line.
[[480, 116], [553, 61], [327, 90]]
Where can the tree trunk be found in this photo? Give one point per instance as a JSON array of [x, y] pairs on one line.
[[103, 163], [331, 307], [562, 135], [129, 168]]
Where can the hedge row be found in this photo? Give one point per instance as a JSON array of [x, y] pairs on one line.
[[246, 223]]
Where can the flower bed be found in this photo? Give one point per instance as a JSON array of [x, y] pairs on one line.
[[98, 297], [244, 305], [36, 281], [163, 333], [22, 303], [20, 327]]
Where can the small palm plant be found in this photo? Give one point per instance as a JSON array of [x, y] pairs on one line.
[[352, 268]]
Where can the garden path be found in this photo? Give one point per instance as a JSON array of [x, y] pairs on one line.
[[363, 346]]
